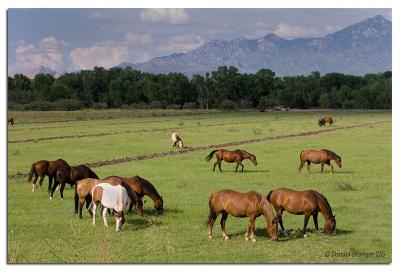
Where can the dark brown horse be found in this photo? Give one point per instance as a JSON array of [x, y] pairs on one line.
[[324, 120], [142, 187], [81, 172], [83, 190], [250, 204], [319, 157], [38, 169], [59, 170], [307, 203], [11, 121], [236, 156]]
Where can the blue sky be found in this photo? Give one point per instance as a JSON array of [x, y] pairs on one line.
[[73, 39]]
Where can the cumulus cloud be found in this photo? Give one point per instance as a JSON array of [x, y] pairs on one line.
[[133, 39], [181, 43], [293, 31], [47, 52], [164, 15], [104, 54]]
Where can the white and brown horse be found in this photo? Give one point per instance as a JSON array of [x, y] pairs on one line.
[[110, 197], [176, 141]]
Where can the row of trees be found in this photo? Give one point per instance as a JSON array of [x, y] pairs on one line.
[[223, 88]]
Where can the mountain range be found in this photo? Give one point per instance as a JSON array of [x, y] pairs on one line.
[[365, 47]]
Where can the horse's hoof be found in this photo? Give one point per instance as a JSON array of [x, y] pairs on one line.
[[253, 240], [51, 198], [226, 238], [305, 235], [210, 237], [246, 238], [62, 198]]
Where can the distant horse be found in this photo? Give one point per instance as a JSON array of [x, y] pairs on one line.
[[81, 172], [236, 156], [11, 121], [142, 187], [324, 120], [319, 157], [110, 197], [38, 169], [176, 140], [250, 204], [308, 202], [84, 187]]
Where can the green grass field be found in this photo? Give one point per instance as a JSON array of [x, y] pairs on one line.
[[47, 231]]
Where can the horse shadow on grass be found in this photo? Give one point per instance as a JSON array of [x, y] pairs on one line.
[[334, 173], [139, 223], [153, 212]]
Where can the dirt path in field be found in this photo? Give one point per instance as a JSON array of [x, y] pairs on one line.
[[148, 156], [127, 132]]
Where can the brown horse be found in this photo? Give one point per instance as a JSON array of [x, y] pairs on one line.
[[11, 121], [236, 156], [83, 190], [142, 187], [325, 120], [38, 169], [319, 157], [250, 204], [60, 171], [81, 172], [308, 202]]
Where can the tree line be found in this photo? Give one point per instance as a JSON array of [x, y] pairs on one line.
[[225, 88]]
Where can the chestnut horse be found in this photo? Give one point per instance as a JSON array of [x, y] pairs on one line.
[[250, 204], [324, 120], [83, 189], [307, 203], [142, 187], [11, 121], [236, 156], [319, 157], [38, 169]]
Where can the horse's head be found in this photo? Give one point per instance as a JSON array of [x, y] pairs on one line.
[[271, 219], [330, 225], [158, 204], [253, 159], [338, 161], [321, 121], [119, 220]]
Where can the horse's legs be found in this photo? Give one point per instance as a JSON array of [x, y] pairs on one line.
[[219, 165], [252, 222], [50, 183], [329, 163], [242, 166], [138, 207], [41, 182], [308, 166], [81, 202], [322, 167], [94, 213], [212, 221], [279, 214], [315, 217], [215, 165], [34, 183], [237, 165], [306, 217], [105, 216], [301, 165], [223, 220], [62, 190], [55, 184], [246, 235]]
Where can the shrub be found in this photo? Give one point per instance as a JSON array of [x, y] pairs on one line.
[[173, 106], [125, 106], [140, 105], [156, 104], [189, 106], [100, 105], [228, 105], [68, 104], [246, 104], [39, 105], [15, 106]]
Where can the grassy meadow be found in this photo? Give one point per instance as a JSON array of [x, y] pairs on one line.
[[47, 231]]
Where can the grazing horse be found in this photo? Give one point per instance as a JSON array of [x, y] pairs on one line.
[[110, 197], [81, 172], [176, 140], [307, 202], [11, 121], [84, 187], [324, 120], [319, 157], [231, 156], [250, 204], [60, 171], [38, 169], [142, 187]]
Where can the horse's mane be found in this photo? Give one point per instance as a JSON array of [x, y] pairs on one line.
[[147, 185], [326, 201], [245, 152], [331, 153]]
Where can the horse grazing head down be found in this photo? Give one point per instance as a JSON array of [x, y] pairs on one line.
[[330, 225], [159, 205], [272, 220], [119, 219], [321, 121]]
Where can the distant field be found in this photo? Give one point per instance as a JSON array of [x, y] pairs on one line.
[[44, 231]]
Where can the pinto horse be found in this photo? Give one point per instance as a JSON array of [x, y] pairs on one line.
[[307, 202], [176, 140], [11, 121], [250, 204], [324, 120], [231, 156], [142, 187], [38, 169], [83, 189], [319, 157], [110, 197]]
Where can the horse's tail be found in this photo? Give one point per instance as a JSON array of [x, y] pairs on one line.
[[30, 175], [301, 153], [208, 158], [76, 197], [211, 214], [269, 195]]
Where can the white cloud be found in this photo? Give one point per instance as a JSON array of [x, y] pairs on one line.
[[293, 31], [181, 43], [133, 39], [46, 52], [164, 15], [103, 54]]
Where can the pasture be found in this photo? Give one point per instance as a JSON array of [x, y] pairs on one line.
[[47, 231]]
